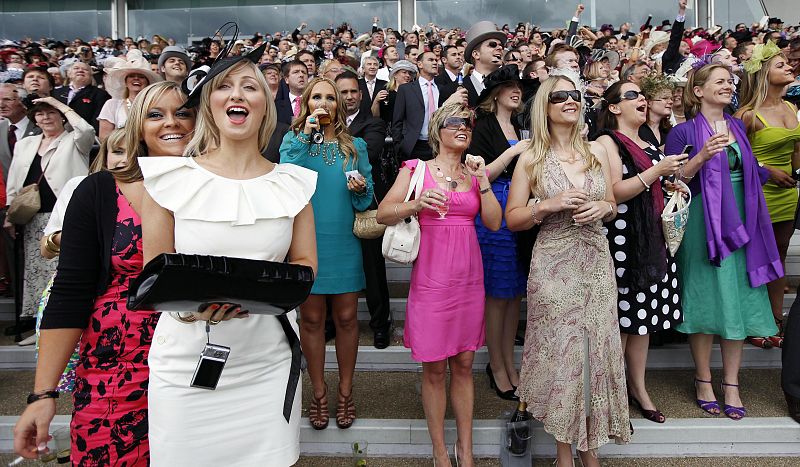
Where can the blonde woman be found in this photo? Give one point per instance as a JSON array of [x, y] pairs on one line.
[[223, 199], [341, 272], [774, 134], [445, 314], [383, 105], [573, 375]]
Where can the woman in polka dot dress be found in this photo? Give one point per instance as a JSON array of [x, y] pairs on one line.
[[647, 281]]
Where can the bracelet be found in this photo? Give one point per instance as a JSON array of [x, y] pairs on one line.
[[37, 396], [50, 245], [303, 138], [610, 206], [536, 220], [641, 179], [189, 320], [486, 190]]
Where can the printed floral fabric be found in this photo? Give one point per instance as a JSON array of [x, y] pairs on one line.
[[109, 421]]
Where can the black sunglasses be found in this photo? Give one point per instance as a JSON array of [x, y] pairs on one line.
[[493, 44], [558, 97], [455, 123], [629, 96]]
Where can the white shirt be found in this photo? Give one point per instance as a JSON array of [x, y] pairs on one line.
[[383, 74], [452, 75], [370, 86], [423, 84], [72, 92], [350, 118], [477, 81], [21, 126]]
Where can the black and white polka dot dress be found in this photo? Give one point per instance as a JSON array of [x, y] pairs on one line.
[[652, 309]]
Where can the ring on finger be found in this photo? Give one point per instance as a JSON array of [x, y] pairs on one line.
[[211, 321]]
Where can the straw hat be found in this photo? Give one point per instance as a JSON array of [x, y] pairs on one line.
[[134, 63], [656, 38]]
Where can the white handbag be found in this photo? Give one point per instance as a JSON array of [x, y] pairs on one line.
[[401, 241], [675, 217]]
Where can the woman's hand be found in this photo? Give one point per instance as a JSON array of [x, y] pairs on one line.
[[9, 228], [569, 199], [430, 199], [312, 121], [216, 312], [590, 212], [31, 430], [780, 178], [476, 166], [713, 145], [357, 184], [671, 164], [679, 187], [382, 95]]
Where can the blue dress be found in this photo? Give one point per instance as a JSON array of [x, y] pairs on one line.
[[504, 276], [340, 267]]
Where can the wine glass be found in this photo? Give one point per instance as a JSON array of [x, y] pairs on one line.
[[445, 206]]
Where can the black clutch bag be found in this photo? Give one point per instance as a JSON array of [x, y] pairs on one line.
[[178, 282]]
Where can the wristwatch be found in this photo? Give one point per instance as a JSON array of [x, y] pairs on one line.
[[34, 396]]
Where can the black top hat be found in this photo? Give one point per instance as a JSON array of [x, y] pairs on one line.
[[193, 84]]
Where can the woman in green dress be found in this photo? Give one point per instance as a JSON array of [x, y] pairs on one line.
[[774, 134], [728, 254]]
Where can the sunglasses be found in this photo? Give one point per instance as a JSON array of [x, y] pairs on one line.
[[559, 97], [455, 123], [492, 44], [629, 96]]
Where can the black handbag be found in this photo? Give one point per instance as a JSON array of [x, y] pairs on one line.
[[178, 282]]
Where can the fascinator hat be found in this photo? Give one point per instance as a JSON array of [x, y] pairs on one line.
[[762, 53], [192, 86]]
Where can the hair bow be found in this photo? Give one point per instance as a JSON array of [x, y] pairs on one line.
[[762, 53]]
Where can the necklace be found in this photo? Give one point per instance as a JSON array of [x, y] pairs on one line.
[[453, 182], [328, 149], [571, 159]]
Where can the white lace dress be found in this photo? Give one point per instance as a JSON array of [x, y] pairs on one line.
[[241, 423]]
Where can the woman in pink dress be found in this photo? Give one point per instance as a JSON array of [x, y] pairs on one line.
[[444, 319]]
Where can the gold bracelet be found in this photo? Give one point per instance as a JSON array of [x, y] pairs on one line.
[[536, 220], [611, 206], [191, 319], [51, 246], [395, 212]]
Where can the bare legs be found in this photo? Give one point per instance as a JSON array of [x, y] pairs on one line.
[[564, 455], [731, 362], [312, 338], [502, 319], [462, 397], [635, 348], [783, 235]]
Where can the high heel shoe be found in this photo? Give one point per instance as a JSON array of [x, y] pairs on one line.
[[505, 395], [731, 411], [455, 451], [652, 415], [710, 407]]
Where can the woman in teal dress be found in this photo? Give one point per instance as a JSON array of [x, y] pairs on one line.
[[728, 254], [341, 275]]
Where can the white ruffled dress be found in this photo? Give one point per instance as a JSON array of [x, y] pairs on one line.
[[241, 423]]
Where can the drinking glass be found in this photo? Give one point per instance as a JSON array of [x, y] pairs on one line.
[[721, 127], [525, 134], [62, 441], [360, 453], [445, 206]]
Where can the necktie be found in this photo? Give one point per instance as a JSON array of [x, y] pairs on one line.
[[296, 106], [371, 87], [431, 103], [12, 137]]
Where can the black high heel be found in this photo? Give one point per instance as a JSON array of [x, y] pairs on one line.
[[505, 395]]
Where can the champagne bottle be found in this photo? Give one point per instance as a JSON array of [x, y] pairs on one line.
[[519, 431]]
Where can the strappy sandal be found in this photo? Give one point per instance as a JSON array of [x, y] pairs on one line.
[[710, 407], [345, 411], [318, 414], [731, 411], [760, 342]]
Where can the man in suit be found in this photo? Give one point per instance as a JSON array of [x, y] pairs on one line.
[[295, 74], [370, 85], [415, 103], [452, 64], [373, 131], [485, 51], [86, 100]]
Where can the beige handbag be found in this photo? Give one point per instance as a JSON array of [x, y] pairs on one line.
[[27, 203], [366, 225], [675, 217]]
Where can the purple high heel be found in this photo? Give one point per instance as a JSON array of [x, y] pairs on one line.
[[710, 407]]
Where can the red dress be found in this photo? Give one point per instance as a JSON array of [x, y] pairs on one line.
[[109, 421]]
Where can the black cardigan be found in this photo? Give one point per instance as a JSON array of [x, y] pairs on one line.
[[84, 265], [489, 141]]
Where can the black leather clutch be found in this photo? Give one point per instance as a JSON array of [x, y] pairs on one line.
[[178, 282]]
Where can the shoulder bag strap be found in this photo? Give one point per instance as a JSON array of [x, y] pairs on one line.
[[415, 184]]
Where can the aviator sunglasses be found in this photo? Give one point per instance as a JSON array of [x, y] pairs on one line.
[[455, 123], [559, 97]]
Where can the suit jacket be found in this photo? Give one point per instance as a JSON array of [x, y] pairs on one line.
[[443, 79], [283, 105], [472, 94], [5, 151], [409, 114], [373, 131], [88, 102], [272, 153], [366, 99]]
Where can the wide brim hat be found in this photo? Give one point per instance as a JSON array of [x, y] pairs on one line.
[[403, 65], [135, 63], [174, 51], [193, 84], [504, 75], [656, 37], [613, 58], [479, 32]]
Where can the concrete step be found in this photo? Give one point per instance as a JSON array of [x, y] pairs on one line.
[[398, 358]]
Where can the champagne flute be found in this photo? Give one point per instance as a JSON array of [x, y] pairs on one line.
[[445, 206]]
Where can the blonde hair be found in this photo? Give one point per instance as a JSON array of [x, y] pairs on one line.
[[698, 78], [114, 140], [134, 128], [489, 105], [437, 122], [755, 87], [541, 143], [340, 130], [206, 132]]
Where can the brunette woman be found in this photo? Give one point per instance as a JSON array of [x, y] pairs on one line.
[[339, 192], [101, 251], [723, 271], [658, 90], [774, 133], [648, 294]]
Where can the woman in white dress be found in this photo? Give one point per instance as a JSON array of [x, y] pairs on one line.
[[225, 199]]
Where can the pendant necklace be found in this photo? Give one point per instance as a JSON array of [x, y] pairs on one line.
[[453, 182], [328, 149]]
